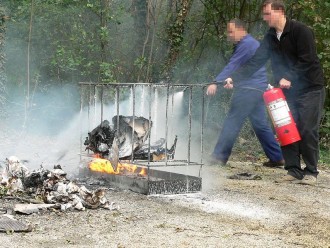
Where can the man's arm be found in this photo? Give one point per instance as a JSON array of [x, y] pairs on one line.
[[254, 64], [239, 57]]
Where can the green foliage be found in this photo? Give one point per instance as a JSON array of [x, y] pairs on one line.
[[3, 191], [66, 60], [316, 15], [72, 38], [68, 39], [122, 41], [140, 62], [325, 137], [325, 157], [108, 71]]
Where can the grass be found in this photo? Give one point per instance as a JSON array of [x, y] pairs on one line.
[[325, 157]]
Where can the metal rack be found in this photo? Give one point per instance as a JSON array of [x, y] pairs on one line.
[[159, 104]]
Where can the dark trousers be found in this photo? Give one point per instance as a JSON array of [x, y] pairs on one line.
[[247, 103], [307, 112]]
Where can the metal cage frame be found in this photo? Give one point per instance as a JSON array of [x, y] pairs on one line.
[[93, 97]]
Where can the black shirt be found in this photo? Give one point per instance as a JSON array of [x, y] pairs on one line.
[[293, 57]]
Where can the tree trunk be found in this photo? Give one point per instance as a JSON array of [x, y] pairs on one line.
[[139, 12], [104, 41], [3, 77], [104, 13], [175, 37]]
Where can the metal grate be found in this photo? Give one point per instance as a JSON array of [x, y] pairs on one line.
[[174, 110]]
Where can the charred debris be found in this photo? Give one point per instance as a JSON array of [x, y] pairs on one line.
[[125, 139], [47, 189]]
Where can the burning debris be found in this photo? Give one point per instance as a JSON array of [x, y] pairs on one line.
[[114, 148], [105, 166], [50, 187], [119, 143]]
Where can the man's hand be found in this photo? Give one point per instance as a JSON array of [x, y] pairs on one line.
[[285, 84], [211, 90], [229, 83]]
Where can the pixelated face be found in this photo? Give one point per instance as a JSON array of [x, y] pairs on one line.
[[271, 16], [234, 34]]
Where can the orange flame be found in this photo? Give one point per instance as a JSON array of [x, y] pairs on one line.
[[104, 166]]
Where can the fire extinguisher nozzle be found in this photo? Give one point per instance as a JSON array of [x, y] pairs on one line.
[[269, 87]]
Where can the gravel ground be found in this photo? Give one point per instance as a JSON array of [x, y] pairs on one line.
[[227, 213]]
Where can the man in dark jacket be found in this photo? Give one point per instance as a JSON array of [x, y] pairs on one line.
[[247, 101], [291, 48]]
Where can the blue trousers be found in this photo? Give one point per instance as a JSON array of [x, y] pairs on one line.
[[247, 103]]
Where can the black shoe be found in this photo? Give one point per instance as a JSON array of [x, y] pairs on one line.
[[274, 164]]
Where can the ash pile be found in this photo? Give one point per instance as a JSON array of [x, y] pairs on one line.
[[47, 189], [126, 139]]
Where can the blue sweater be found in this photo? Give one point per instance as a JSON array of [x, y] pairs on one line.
[[244, 50]]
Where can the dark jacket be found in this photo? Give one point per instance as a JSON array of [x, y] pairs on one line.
[[294, 58], [243, 51]]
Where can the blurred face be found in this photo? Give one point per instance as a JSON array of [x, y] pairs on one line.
[[271, 16], [234, 34]]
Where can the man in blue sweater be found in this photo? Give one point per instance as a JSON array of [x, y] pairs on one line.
[[247, 100]]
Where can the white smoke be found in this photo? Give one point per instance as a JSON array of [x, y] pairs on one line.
[[40, 145]]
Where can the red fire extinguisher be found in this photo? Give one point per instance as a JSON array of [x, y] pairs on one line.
[[278, 109]]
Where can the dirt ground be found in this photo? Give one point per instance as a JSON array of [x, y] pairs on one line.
[[226, 213]]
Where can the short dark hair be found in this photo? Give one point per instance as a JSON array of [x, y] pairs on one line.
[[275, 4], [238, 23]]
